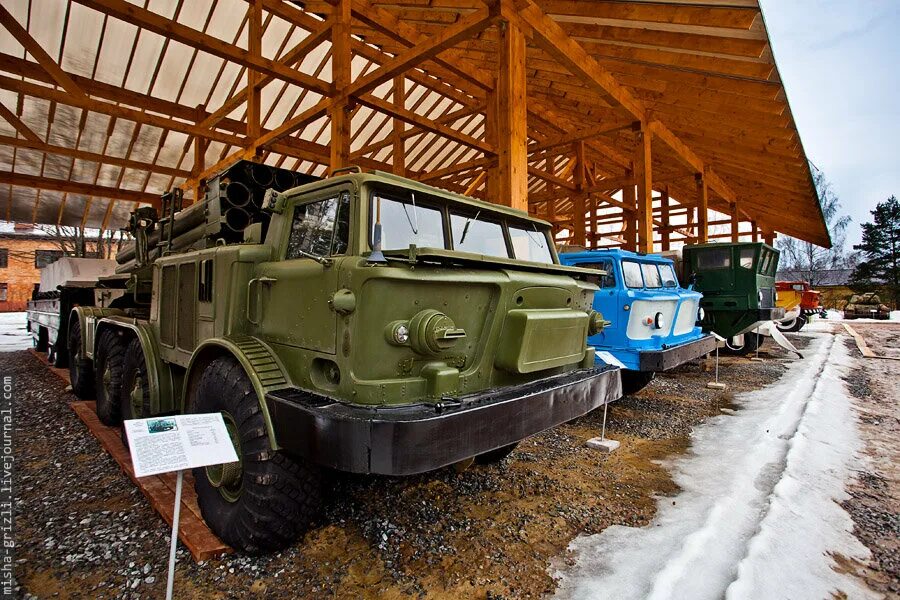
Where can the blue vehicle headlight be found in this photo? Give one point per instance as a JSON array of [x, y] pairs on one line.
[[701, 314], [659, 321]]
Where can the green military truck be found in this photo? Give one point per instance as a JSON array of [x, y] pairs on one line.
[[738, 285], [377, 326]]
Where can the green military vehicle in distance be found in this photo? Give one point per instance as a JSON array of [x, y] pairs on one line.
[[738, 285], [379, 325], [866, 306]]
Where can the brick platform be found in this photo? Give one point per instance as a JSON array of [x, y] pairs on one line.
[[158, 489]]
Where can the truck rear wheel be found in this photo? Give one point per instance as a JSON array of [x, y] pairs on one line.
[[134, 396], [792, 326], [266, 500], [108, 367], [81, 373], [635, 381]]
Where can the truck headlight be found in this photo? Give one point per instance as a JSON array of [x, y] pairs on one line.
[[659, 321], [701, 314]]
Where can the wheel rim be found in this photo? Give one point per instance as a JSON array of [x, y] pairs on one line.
[[228, 478], [136, 398]]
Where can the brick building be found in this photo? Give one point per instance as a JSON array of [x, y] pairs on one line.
[[23, 251]]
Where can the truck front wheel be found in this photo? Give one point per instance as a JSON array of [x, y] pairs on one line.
[[266, 500], [752, 341], [108, 368], [81, 374]]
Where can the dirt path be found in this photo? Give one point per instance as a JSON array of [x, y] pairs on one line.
[[490, 532]]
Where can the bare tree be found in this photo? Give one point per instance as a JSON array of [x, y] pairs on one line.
[[809, 260]]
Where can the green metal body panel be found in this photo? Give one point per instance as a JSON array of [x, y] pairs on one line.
[[737, 281], [475, 323]]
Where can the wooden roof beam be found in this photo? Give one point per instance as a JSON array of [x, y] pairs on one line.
[[577, 136], [160, 25], [74, 187], [43, 59], [19, 126]]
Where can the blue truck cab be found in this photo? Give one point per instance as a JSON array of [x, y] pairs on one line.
[[654, 320]]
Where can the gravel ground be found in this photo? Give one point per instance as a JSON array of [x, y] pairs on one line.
[[489, 532], [874, 503]]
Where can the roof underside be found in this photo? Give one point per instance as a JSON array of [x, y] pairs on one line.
[[125, 93]]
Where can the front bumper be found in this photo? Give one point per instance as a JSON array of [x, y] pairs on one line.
[[663, 360], [415, 439]]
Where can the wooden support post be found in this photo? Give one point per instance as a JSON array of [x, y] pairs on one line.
[[629, 231], [254, 47], [702, 209], [491, 137], [735, 223], [200, 146], [769, 237], [512, 119], [643, 175], [339, 112], [399, 152], [754, 231], [578, 208], [664, 217]]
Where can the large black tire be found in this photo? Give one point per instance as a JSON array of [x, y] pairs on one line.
[[792, 326], [81, 371], [109, 362], [496, 455], [266, 500], [752, 341], [635, 381], [134, 396]]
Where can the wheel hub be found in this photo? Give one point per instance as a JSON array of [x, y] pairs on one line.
[[228, 478], [137, 398]]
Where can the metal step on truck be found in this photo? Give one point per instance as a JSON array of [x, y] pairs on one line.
[[364, 323]]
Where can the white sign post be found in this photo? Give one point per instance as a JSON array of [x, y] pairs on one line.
[[175, 443]]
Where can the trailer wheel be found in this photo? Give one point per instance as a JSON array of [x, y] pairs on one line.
[[792, 326], [635, 381], [108, 366], [81, 374], [134, 396], [496, 455], [752, 341], [266, 500]]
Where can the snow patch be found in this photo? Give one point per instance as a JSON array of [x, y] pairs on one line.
[[13, 334], [758, 514]]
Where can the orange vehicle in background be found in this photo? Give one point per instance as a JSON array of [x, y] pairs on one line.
[[799, 302]]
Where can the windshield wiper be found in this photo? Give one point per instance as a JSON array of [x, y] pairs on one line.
[[415, 228], [465, 231]]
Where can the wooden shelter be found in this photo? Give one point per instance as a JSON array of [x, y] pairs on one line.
[[624, 123]]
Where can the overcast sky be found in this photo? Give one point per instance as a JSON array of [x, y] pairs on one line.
[[840, 62]]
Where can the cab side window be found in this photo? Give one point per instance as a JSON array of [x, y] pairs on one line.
[[320, 228], [608, 280]]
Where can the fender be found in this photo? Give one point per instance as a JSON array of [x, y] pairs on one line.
[[87, 317], [162, 386], [260, 363]]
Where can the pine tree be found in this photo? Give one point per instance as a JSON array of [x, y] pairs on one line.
[[881, 248]]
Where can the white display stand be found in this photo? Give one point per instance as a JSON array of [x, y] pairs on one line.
[[175, 443]]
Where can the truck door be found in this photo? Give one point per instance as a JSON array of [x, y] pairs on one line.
[[290, 297]]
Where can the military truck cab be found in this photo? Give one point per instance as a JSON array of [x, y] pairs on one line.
[[381, 326], [737, 281], [654, 319]]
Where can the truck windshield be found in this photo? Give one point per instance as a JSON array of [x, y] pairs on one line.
[[714, 259], [651, 276], [606, 265], [669, 280], [632, 273], [404, 223], [480, 237], [530, 244]]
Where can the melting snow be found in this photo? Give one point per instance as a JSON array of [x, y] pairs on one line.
[[758, 514], [13, 335]]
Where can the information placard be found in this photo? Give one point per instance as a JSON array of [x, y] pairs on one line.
[[165, 444]]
